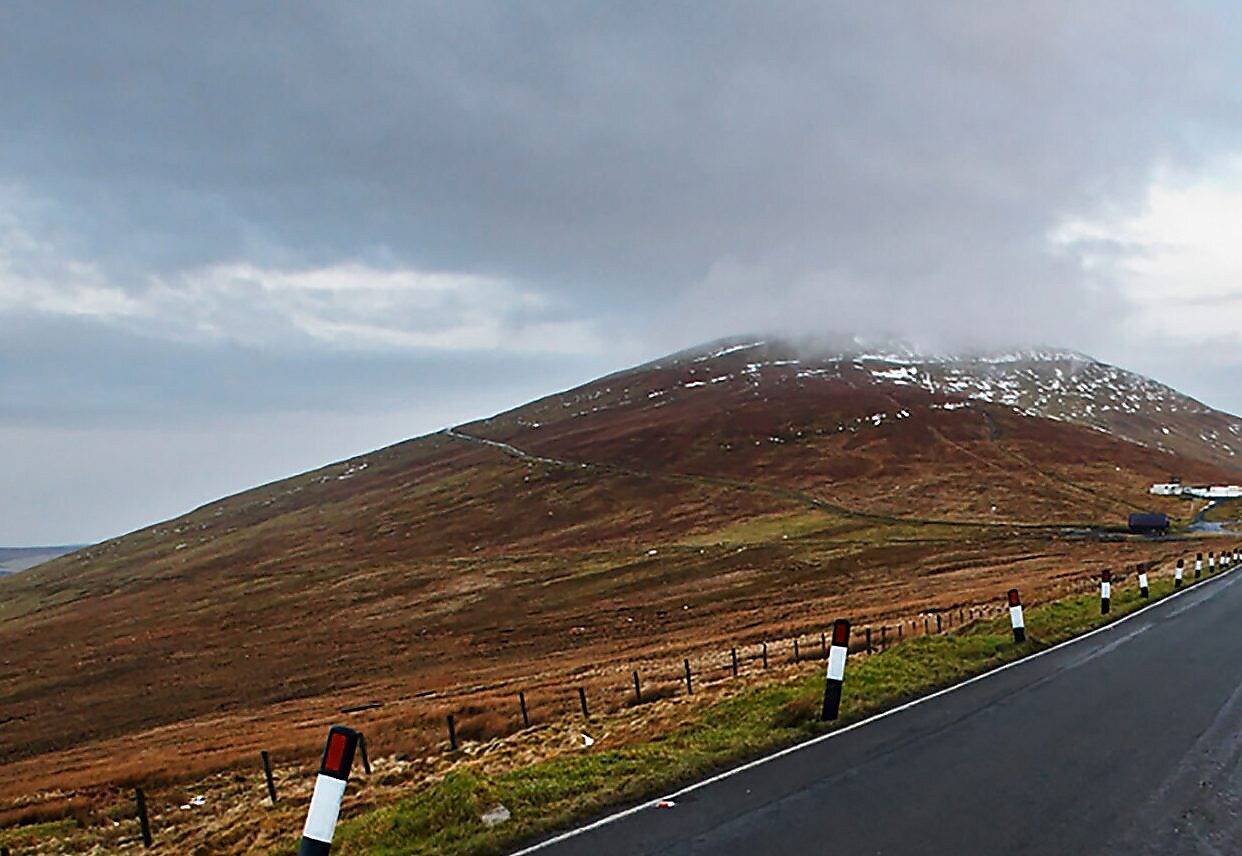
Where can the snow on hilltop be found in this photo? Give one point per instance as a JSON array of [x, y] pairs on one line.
[[1050, 383], [1043, 383]]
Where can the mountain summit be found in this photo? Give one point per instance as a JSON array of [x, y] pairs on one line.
[[846, 383]]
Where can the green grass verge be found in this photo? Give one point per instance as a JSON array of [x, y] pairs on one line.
[[1225, 511], [35, 835], [445, 817]]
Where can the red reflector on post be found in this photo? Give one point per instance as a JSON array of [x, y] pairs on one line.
[[1013, 597], [335, 752], [1106, 575], [338, 753], [840, 632]]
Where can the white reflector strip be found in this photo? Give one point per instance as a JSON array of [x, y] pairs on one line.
[[1142, 580], [1015, 615], [1105, 589], [836, 663], [324, 808]]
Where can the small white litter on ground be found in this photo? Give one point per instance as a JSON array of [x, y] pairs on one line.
[[495, 816]]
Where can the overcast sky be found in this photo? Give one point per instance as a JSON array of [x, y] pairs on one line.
[[240, 240]]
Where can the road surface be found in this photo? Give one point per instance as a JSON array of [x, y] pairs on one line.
[[1126, 742]]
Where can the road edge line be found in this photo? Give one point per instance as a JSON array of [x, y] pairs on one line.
[[892, 711]]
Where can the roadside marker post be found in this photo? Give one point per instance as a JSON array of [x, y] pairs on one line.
[[325, 807], [1015, 616], [1106, 585], [1177, 575], [1143, 590], [836, 669], [1198, 566]]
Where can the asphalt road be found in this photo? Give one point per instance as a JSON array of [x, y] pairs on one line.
[[1126, 742]]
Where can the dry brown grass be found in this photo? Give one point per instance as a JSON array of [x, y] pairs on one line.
[[486, 725]]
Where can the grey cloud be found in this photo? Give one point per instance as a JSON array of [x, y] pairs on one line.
[[598, 151], [660, 172]]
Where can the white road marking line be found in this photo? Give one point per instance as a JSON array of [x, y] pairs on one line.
[[815, 741]]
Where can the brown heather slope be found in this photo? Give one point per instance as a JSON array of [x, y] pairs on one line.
[[829, 426], [672, 514]]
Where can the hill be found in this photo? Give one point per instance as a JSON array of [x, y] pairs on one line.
[[735, 492]]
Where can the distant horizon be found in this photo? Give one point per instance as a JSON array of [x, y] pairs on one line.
[[38, 547]]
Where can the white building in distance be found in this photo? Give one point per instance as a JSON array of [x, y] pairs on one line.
[[1231, 491]]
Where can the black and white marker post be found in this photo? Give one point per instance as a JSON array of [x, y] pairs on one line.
[[1106, 593], [1143, 590], [1198, 566], [1015, 616], [338, 756], [1212, 562], [1177, 575], [836, 669]]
